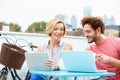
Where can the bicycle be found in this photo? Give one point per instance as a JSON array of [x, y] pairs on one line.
[[9, 49]]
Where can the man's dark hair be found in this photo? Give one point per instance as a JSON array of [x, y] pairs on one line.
[[95, 22]]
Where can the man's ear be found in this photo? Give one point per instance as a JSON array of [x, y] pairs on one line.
[[98, 30]]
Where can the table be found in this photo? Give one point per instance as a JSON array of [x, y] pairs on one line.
[[65, 74]]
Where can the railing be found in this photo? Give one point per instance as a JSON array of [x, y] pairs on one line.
[[79, 43]]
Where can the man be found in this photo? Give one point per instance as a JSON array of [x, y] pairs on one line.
[[107, 49]]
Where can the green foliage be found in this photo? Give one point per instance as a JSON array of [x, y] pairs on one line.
[[18, 28], [34, 27], [15, 26], [39, 26]]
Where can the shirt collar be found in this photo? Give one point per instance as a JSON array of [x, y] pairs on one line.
[[59, 44]]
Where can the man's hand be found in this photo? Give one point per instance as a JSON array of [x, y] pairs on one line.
[[103, 58]]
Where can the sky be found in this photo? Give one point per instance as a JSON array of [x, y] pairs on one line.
[[25, 12]]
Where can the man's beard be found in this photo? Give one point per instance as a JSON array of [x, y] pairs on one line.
[[93, 40]]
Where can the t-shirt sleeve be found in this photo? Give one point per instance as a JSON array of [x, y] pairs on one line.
[[88, 48], [118, 46]]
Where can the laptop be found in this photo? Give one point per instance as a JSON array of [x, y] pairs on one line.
[[79, 61], [35, 61]]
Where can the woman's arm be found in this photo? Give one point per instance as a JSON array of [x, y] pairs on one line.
[[68, 47], [60, 63], [39, 48], [51, 64]]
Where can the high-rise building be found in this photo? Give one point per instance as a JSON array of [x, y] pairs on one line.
[[73, 22], [62, 17], [65, 19], [87, 11], [109, 21], [112, 20]]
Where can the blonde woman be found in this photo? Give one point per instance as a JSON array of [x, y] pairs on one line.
[[55, 29]]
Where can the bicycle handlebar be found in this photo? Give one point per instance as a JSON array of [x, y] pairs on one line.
[[16, 41]]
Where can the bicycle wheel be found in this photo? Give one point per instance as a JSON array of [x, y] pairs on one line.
[[28, 75], [4, 73], [3, 76]]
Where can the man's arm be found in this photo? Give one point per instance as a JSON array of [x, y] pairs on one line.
[[108, 59]]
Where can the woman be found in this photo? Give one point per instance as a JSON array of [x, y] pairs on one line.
[[56, 29]]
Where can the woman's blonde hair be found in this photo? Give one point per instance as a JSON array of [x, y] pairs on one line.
[[51, 24]]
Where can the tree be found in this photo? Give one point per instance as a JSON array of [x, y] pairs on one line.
[[1, 26], [37, 26], [14, 27]]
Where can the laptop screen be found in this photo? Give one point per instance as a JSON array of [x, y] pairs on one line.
[[83, 61]]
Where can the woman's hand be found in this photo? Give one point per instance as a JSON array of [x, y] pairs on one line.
[[51, 64]]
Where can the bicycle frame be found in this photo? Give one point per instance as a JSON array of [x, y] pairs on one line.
[[6, 69]]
